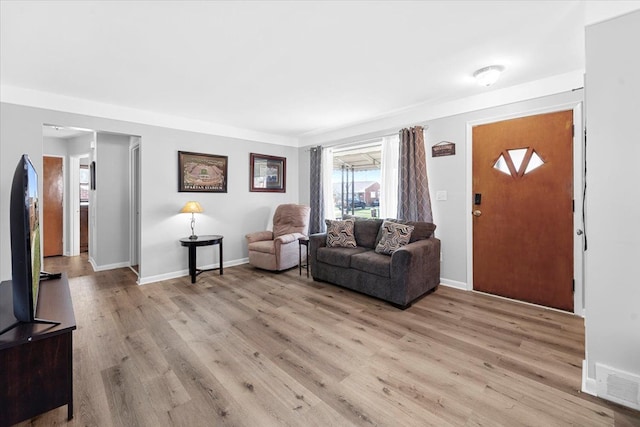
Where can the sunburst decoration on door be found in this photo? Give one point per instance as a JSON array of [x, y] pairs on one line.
[[518, 162]]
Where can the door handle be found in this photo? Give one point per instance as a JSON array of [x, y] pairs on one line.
[[579, 232], [477, 212]]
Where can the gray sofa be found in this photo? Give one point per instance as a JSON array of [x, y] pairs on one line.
[[400, 278]]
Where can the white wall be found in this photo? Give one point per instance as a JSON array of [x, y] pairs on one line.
[[109, 212], [54, 146], [613, 195], [232, 214], [80, 144]]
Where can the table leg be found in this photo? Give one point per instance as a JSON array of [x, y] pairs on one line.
[[299, 258], [307, 249], [221, 267], [192, 263]]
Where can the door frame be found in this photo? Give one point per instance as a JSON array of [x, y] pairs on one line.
[[578, 187], [135, 202], [74, 192]]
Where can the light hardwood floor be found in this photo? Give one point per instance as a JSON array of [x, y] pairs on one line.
[[252, 348]]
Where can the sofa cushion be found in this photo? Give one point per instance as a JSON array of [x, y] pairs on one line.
[[340, 234], [422, 230], [366, 231], [372, 262], [394, 236], [339, 257]]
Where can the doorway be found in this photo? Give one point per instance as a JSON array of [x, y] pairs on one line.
[[522, 209], [82, 218]]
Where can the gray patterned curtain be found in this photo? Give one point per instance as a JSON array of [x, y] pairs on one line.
[[316, 219], [414, 202]]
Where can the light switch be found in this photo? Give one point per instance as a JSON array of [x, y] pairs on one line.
[[441, 195]]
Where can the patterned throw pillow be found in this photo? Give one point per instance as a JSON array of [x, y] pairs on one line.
[[394, 236], [340, 234]]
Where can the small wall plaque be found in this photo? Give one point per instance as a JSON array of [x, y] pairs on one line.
[[443, 148]]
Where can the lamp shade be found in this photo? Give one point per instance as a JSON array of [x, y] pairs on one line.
[[192, 207]]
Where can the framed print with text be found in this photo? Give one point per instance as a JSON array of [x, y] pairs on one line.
[[204, 173], [267, 173]]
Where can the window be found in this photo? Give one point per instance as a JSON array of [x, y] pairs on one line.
[[518, 157], [362, 178], [356, 180]]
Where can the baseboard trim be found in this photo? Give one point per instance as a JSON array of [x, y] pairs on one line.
[[235, 262], [162, 277], [108, 266], [182, 273], [454, 284], [589, 385]]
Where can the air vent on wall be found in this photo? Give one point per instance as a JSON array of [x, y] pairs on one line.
[[618, 386]]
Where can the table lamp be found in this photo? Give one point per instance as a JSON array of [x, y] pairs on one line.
[[192, 207]]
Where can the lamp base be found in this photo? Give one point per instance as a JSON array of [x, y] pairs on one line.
[[193, 227]]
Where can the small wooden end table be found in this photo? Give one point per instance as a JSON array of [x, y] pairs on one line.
[[303, 241], [192, 244]]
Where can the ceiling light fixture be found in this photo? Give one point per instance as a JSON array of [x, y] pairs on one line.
[[488, 75]]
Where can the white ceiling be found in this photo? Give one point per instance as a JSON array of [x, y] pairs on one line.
[[284, 68], [60, 132]]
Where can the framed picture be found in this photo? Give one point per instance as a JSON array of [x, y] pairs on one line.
[[267, 173], [203, 173]]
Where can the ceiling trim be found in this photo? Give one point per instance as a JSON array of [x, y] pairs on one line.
[[600, 11], [432, 110], [378, 126], [51, 101]]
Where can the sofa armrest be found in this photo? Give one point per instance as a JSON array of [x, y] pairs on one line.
[[416, 267], [259, 236], [316, 241], [319, 239]]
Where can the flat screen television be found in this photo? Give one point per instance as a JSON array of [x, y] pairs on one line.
[[25, 240], [25, 243]]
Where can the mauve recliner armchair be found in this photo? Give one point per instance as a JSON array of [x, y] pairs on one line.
[[278, 250]]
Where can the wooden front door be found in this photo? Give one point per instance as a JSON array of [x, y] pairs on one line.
[[53, 186], [523, 209]]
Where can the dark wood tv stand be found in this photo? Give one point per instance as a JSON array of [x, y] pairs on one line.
[[36, 360]]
